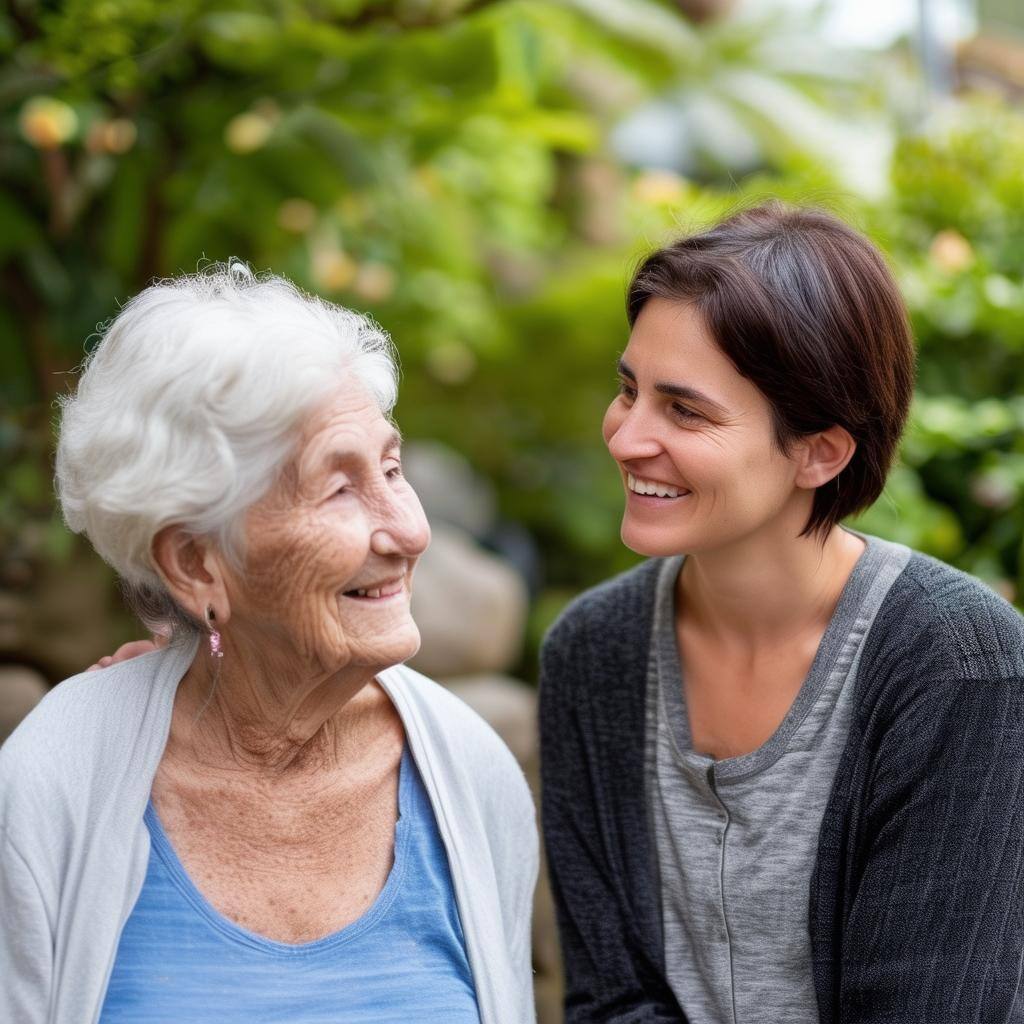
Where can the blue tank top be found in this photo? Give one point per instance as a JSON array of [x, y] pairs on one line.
[[403, 961]]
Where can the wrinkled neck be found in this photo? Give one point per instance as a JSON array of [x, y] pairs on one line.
[[263, 714]]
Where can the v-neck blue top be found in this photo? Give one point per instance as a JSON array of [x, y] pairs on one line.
[[404, 960]]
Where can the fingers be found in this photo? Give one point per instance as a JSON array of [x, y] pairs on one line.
[[125, 652], [132, 649]]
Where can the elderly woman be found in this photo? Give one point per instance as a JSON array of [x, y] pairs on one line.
[[271, 818]]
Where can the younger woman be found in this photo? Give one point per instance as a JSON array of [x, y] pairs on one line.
[[783, 762]]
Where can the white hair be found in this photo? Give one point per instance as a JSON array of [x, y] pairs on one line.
[[189, 407]]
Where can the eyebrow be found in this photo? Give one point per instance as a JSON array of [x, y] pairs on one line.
[[338, 456], [683, 391]]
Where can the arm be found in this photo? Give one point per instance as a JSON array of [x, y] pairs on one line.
[[26, 942], [609, 979], [935, 928]]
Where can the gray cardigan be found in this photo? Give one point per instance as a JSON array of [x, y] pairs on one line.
[[75, 777], [917, 898]]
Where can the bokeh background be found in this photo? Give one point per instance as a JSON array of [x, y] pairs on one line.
[[481, 177]]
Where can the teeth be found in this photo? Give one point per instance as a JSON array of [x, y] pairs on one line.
[[651, 487], [373, 591]]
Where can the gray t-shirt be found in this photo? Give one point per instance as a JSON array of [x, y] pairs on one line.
[[736, 839]]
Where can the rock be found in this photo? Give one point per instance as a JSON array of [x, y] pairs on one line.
[[507, 705], [65, 618], [470, 607], [449, 488], [21, 689]]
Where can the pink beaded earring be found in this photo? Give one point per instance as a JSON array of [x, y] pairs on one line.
[[215, 650]]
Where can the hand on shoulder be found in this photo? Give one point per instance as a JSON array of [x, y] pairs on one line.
[[132, 649]]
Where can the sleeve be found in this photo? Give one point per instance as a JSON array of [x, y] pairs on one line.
[[935, 930], [26, 942], [607, 979]]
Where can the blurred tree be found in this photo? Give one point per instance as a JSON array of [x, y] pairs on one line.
[[1001, 14], [954, 227], [445, 164]]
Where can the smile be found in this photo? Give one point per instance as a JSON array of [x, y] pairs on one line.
[[378, 591], [653, 488]]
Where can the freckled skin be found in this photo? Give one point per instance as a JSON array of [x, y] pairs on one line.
[[278, 787]]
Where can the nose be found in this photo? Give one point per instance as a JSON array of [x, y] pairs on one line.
[[402, 528], [632, 434]]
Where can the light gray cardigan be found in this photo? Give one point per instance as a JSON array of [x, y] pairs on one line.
[[75, 777]]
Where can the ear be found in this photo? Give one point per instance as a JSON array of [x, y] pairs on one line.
[[192, 572], [824, 456]]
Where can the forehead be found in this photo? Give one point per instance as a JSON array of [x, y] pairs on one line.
[[670, 342], [672, 335], [349, 422]]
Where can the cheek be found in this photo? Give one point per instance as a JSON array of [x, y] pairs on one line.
[[741, 472], [762, 480], [767, 462], [296, 561]]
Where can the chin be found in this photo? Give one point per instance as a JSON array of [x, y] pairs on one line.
[[412, 647], [655, 543], [402, 646]]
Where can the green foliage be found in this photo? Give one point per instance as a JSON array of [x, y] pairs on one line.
[[444, 164], [954, 226]]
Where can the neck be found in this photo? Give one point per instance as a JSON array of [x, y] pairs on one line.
[[253, 712], [767, 588]]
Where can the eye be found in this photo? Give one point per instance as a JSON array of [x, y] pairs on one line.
[[392, 468], [685, 414], [626, 389]]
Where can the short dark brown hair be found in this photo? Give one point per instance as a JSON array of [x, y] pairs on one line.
[[807, 309]]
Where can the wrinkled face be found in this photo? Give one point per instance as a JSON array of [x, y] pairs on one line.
[[693, 440], [330, 551]]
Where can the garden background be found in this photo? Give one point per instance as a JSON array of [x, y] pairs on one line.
[[481, 177]]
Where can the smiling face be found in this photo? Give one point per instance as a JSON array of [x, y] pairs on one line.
[[330, 551], [693, 439]]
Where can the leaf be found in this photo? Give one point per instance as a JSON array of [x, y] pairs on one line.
[[240, 39], [642, 21]]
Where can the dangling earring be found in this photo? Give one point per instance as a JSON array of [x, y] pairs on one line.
[[215, 651]]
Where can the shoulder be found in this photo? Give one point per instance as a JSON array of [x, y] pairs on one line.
[[621, 605], [593, 668], [947, 624], [944, 653], [81, 733], [474, 782], [88, 709], [69, 719], [455, 736]]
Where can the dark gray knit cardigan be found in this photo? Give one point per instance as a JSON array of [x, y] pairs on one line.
[[916, 910]]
